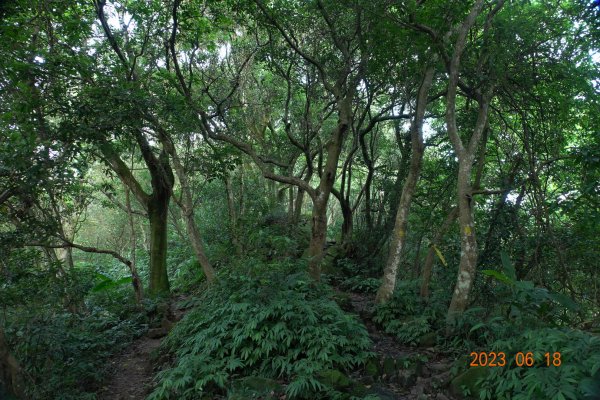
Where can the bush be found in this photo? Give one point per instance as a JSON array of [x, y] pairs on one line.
[[577, 377], [272, 325], [361, 284], [406, 315], [65, 355]]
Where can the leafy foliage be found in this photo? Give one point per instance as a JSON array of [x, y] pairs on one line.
[[406, 315], [274, 324], [66, 354], [576, 377]]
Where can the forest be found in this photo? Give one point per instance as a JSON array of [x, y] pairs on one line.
[[284, 199]]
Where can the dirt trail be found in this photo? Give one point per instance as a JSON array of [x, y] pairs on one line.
[[133, 369], [432, 374], [132, 372]]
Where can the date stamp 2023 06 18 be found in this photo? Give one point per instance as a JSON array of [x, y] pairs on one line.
[[498, 359]]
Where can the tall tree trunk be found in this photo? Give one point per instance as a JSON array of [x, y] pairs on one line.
[[416, 261], [368, 201], [290, 200], [317, 239], [187, 204], [158, 209], [347, 224], [347, 215], [298, 206], [155, 204], [321, 196], [466, 155], [399, 234], [11, 373], [233, 219], [135, 278], [468, 242]]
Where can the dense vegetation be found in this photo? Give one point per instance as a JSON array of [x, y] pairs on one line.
[[346, 199]]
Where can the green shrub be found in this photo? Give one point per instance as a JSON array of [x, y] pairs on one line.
[[187, 276], [577, 377], [361, 284], [273, 325], [408, 316], [65, 355]]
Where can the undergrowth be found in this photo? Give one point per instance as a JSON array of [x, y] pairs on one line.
[[267, 322], [576, 377], [406, 315], [65, 355]]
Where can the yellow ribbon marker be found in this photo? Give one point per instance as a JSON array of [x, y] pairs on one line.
[[440, 255], [468, 230]]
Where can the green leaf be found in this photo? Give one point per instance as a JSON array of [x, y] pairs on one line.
[[509, 268], [108, 284], [564, 301], [499, 276], [440, 255], [590, 388]]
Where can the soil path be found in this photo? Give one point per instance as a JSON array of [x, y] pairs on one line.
[[133, 369], [132, 372], [432, 374]]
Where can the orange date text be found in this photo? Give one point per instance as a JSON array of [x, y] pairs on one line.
[[522, 359]]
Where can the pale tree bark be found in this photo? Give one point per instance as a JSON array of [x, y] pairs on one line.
[[298, 203], [290, 193], [233, 218], [398, 239], [466, 155], [186, 203], [450, 218], [135, 278]]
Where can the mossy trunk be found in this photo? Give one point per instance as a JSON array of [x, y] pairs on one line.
[[468, 245], [157, 214], [317, 239]]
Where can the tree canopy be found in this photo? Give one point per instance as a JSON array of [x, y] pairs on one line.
[[432, 167]]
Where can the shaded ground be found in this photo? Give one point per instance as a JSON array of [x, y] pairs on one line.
[[425, 381], [132, 372], [133, 368]]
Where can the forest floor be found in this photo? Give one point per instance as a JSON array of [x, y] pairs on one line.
[[133, 369], [425, 381]]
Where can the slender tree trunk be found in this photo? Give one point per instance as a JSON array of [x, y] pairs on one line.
[[399, 235], [317, 239], [416, 261], [135, 278], [291, 204], [298, 205], [368, 201], [465, 154], [158, 209], [233, 220], [347, 224], [321, 197], [187, 207], [468, 242], [11, 373]]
